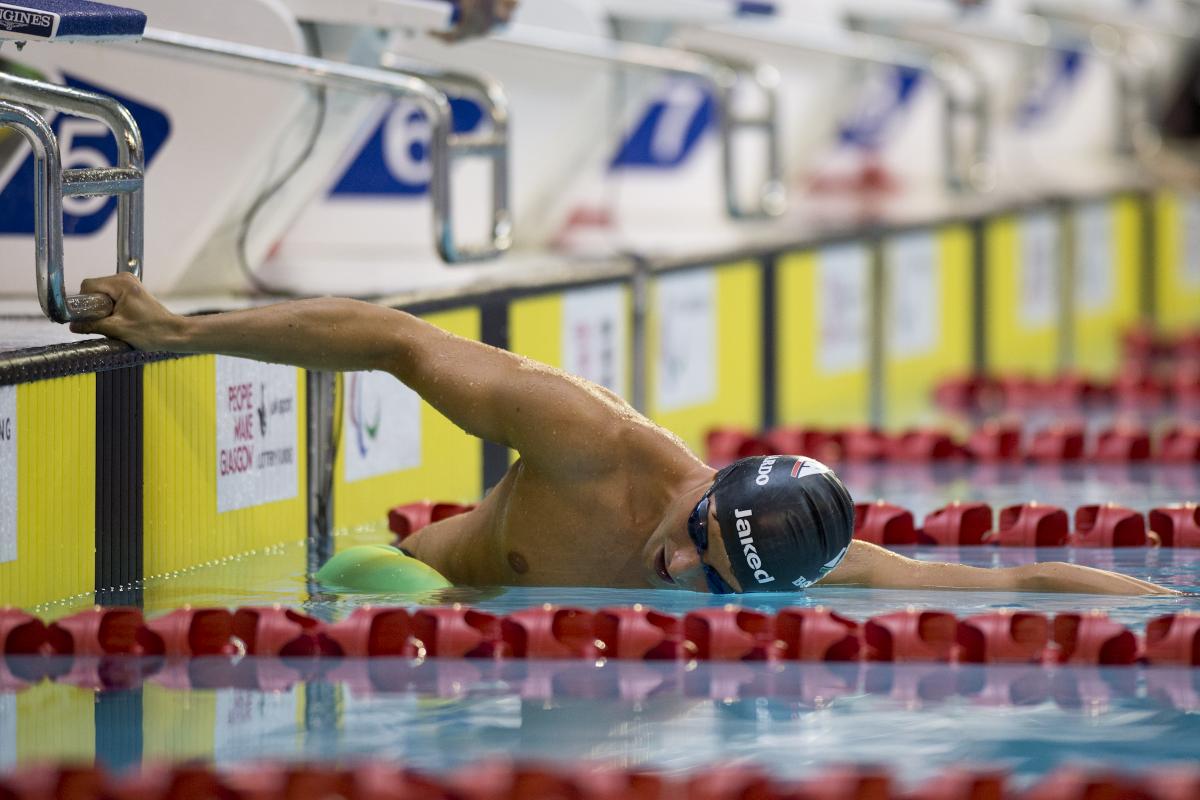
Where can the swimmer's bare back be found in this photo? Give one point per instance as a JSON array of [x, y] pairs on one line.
[[597, 485]]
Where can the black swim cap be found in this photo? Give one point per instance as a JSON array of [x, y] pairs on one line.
[[786, 521]]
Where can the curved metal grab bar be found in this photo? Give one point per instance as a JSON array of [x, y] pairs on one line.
[[349, 77], [491, 145], [722, 75], [1032, 32], [51, 182], [868, 49]]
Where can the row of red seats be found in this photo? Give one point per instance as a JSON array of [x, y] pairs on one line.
[[728, 633], [1029, 525], [1135, 387], [496, 780], [1145, 346], [992, 442], [800, 684]]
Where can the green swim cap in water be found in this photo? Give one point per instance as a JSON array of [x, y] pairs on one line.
[[379, 568]]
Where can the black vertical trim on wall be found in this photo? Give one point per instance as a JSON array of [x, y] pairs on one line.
[[119, 565], [770, 352], [118, 729], [493, 330], [979, 305]]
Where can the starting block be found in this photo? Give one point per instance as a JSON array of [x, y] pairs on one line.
[[68, 21]]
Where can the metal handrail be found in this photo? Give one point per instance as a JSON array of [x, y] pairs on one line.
[[867, 49], [491, 145], [348, 77], [1122, 22], [51, 182], [722, 75], [1034, 32]]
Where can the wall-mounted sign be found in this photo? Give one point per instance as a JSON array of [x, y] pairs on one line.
[[381, 425], [244, 719], [1094, 257], [8, 731], [685, 306], [257, 440], [842, 307], [1189, 267], [8, 473], [914, 294], [1039, 265], [594, 335]]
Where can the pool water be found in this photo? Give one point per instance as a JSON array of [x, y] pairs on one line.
[[792, 719]]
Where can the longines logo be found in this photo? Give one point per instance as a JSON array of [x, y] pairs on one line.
[[34, 24]]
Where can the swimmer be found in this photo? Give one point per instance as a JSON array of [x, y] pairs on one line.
[[600, 495]]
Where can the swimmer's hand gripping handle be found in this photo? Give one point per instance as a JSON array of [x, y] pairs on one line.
[[89, 307]]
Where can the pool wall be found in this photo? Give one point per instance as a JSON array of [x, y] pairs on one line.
[[129, 466]]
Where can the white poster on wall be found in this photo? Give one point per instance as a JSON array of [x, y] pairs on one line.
[[1094, 257], [685, 305], [256, 433], [1037, 304], [381, 424], [594, 330], [8, 732], [843, 292], [1189, 264], [245, 719], [914, 294], [8, 473]]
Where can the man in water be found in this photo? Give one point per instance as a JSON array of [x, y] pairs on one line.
[[600, 496]]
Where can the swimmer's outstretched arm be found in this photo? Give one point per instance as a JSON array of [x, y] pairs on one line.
[[869, 565], [558, 423]]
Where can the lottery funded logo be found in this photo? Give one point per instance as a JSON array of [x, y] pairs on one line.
[[256, 433]]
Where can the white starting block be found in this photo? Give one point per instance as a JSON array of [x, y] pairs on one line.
[[68, 21], [22, 105]]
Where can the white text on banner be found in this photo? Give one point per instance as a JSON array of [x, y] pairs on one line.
[[687, 339], [1094, 256], [256, 433], [843, 306], [594, 335], [1040, 259], [914, 294]]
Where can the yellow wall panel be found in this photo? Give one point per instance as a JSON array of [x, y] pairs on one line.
[[1018, 341], [946, 294], [1098, 330], [812, 390], [55, 723], [182, 526], [736, 315], [451, 460], [177, 725], [1177, 271], [535, 328], [56, 493]]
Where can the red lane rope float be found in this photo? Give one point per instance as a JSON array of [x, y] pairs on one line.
[[991, 442], [502, 780], [1032, 524], [727, 633]]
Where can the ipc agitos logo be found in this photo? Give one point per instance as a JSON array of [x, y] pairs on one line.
[[84, 144], [365, 431]]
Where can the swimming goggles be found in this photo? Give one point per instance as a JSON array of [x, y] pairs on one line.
[[697, 526]]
